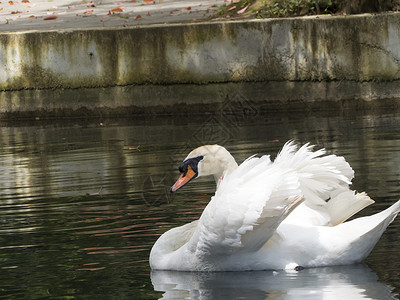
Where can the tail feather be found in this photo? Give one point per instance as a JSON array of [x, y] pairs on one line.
[[389, 213], [365, 232], [365, 225], [346, 204]]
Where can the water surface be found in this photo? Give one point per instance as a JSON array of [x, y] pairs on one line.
[[82, 202]]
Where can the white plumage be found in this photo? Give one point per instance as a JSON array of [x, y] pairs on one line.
[[272, 215]]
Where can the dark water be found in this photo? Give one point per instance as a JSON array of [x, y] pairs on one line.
[[82, 202]]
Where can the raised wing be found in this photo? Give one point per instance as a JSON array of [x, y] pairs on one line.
[[248, 206], [319, 174], [252, 201], [324, 182]]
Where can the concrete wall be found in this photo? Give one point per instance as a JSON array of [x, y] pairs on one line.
[[359, 50]]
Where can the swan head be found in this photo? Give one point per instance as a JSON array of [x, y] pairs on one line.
[[203, 161]]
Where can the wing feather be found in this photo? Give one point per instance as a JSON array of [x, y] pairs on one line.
[[252, 201], [319, 175], [248, 206]]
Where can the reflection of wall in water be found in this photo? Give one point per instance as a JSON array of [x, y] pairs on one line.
[[78, 159]]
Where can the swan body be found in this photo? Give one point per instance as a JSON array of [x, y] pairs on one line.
[[272, 214]]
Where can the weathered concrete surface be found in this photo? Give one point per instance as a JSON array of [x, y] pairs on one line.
[[361, 48], [298, 60]]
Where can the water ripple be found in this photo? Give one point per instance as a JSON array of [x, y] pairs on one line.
[[81, 205]]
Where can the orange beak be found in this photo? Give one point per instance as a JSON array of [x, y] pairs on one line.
[[183, 179]]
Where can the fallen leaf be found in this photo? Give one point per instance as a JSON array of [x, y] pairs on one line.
[[188, 8], [16, 12], [1, 8], [32, 17], [132, 1], [117, 10], [11, 2], [90, 4], [148, 14], [138, 17], [51, 17], [149, 1], [242, 10], [232, 8], [25, 1], [88, 12]]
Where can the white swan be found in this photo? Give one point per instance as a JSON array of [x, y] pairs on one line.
[[272, 215]]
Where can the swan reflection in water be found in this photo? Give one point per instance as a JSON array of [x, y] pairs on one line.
[[340, 282]]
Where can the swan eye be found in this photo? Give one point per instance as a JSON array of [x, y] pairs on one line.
[[192, 162]]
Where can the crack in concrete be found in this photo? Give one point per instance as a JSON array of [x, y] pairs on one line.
[[381, 49]]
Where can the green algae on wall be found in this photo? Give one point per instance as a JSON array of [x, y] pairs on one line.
[[325, 48], [296, 61]]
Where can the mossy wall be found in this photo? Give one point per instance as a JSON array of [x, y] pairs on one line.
[[361, 48], [325, 48]]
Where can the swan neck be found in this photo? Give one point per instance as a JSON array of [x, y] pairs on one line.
[[229, 166]]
